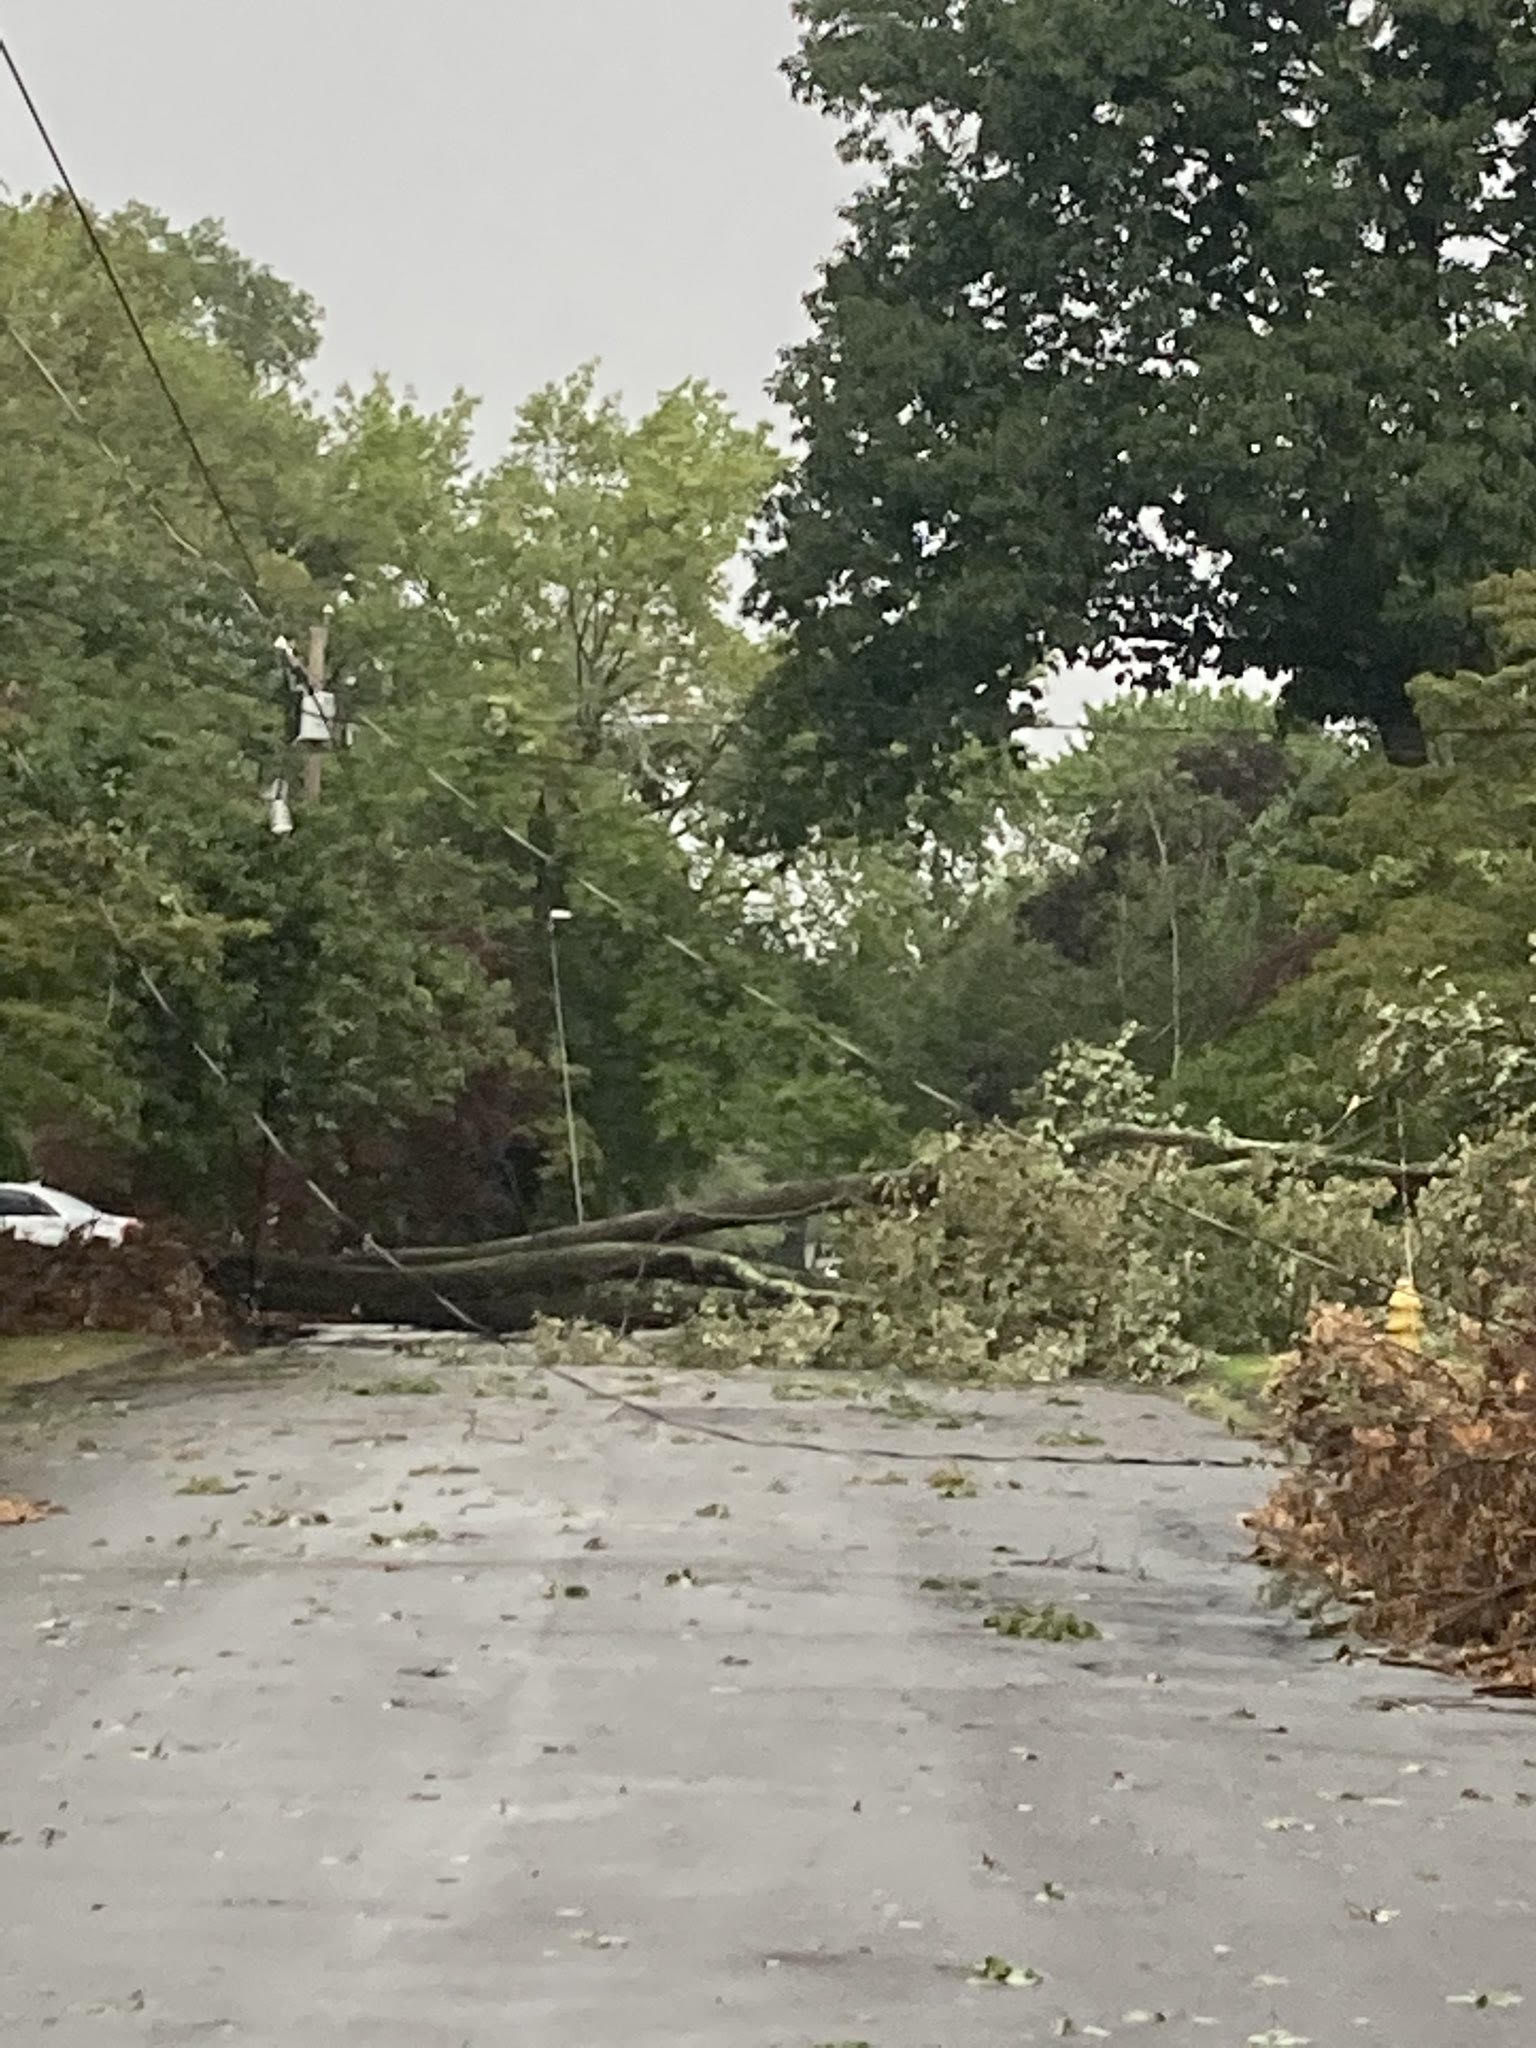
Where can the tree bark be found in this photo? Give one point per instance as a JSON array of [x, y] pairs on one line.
[[507, 1291], [787, 1203]]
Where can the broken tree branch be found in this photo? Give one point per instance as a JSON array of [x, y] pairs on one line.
[[1212, 1149], [790, 1202]]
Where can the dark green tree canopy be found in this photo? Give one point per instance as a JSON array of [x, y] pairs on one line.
[[1178, 333]]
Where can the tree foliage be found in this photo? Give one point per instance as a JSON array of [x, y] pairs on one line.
[[540, 667], [1176, 333], [1221, 918], [1418, 896]]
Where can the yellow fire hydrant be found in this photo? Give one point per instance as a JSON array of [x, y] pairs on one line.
[[1405, 1316]]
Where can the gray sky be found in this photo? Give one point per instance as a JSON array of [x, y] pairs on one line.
[[479, 192]]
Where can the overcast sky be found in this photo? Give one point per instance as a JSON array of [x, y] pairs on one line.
[[479, 192]]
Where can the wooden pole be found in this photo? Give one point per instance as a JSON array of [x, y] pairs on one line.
[[556, 919], [314, 750]]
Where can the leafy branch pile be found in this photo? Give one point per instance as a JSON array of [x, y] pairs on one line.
[[152, 1284], [1018, 1254], [1413, 1495], [1016, 1266]]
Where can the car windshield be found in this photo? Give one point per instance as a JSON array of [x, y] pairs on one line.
[[70, 1207]]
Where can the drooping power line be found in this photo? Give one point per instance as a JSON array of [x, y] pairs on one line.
[[104, 258]]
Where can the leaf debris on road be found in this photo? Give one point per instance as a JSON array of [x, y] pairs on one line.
[[1050, 1624], [998, 1970]]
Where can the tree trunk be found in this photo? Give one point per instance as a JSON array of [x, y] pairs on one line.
[[507, 1291]]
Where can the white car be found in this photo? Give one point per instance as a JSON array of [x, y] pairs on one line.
[[44, 1215]]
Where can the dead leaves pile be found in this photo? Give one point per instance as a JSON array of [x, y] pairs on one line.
[[152, 1284], [1413, 1494]]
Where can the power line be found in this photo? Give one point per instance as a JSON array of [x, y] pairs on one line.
[[125, 474], [104, 259], [661, 723]]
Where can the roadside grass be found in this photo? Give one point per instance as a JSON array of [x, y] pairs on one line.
[[33, 1361], [1230, 1390]]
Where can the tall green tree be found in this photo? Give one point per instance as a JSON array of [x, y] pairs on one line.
[[1175, 810], [1408, 894], [608, 545], [1175, 333], [1136, 885]]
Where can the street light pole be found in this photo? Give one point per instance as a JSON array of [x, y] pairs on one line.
[[556, 919]]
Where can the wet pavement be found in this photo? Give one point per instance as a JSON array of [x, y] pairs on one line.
[[486, 1712]]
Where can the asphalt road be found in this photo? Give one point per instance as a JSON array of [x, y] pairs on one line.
[[565, 1728]]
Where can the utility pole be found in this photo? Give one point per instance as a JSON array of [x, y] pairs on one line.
[[556, 919], [314, 750], [314, 721]]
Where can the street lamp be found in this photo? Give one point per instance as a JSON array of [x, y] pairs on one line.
[[556, 919]]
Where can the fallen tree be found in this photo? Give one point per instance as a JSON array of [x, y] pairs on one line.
[[634, 1269], [985, 1214], [1028, 1249]]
